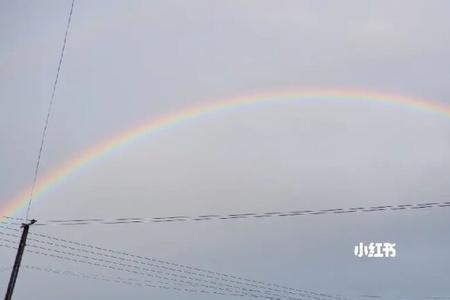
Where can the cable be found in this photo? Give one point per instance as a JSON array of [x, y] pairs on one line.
[[185, 266], [161, 275], [49, 111], [148, 285], [120, 280], [164, 275], [209, 289], [269, 287], [234, 216], [69, 258], [143, 283], [187, 269]]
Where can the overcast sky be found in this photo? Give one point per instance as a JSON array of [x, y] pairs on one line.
[[129, 61]]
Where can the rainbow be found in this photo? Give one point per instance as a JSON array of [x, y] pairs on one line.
[[106, 147]]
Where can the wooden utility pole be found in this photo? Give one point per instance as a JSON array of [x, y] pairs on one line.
[[15, 270]]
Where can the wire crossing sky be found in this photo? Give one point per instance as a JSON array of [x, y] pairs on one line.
[[47, 118], [177, 274], [235, 216]]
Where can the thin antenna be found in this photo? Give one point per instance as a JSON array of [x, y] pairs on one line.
[[49, 111]]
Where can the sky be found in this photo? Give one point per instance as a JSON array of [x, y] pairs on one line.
[[130, 61]]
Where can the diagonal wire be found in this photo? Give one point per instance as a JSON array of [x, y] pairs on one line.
[[119, 280], [180, 285], [135, 270], [49, 111], [161, 276], [244, 283], [161, 284]]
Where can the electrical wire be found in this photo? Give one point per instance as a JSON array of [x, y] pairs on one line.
[[234, 216], [129, 281], [159, 275], [126, 281], [49, 111], [207, 276], [269, 286]]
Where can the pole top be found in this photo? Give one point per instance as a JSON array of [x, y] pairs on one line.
[[31, 222]]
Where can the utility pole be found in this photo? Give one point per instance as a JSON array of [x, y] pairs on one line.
[[15, 270]]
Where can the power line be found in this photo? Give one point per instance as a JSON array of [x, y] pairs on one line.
[[116, 266], [86, 275], [249, 283], [160, 283], [178, 277], [146, 283], [133, 261], [49, 111], [121, 280], [235, 216], [160, 279]]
